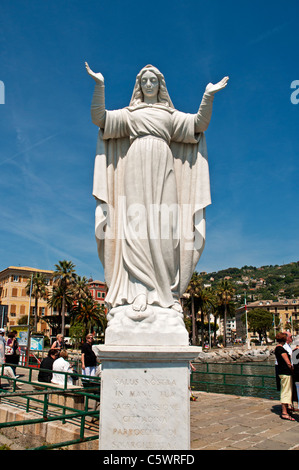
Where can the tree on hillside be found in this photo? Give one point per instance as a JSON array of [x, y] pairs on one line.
[[259, 321]]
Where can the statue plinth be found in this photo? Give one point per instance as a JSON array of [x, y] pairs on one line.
[[145, 397]]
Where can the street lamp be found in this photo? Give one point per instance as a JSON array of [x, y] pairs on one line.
[[28, 322]]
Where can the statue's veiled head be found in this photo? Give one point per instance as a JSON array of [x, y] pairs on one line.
[[162, 95]]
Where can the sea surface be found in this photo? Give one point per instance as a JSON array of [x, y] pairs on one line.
[[255, 379]]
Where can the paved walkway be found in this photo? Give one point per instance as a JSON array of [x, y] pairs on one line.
[[229, 422]]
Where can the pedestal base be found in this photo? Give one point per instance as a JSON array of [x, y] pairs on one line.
[[145, 397], [156, 326]]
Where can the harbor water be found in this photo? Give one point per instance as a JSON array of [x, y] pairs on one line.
[[255, 379]]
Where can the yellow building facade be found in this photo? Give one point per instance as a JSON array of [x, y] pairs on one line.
[[13, 282], [285, 311]]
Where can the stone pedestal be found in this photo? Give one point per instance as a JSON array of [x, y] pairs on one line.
[[145, 397]]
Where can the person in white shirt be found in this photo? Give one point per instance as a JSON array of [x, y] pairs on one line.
[[289, 350], [62, 365], [287, 345]]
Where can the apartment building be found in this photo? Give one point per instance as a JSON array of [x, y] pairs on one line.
[[287, 311], [13, 282], [98, 290]]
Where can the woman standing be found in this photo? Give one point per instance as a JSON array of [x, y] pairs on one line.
[[59, 343], [88, 357], [12, 354], [285, 372]]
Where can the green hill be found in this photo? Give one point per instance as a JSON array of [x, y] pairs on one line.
[[265, 282]]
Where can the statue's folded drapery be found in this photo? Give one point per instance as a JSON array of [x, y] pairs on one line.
[[151, 183]]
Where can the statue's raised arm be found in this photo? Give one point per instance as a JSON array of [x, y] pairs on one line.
[[213, 88], [204, 113], [98, 77], [98, 113]]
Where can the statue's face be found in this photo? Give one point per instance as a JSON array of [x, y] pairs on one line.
[[149, 85]]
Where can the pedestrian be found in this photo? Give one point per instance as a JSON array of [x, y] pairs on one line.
[[5, 370], [62, 365], [285, 372], [191, 369], [88, 357], [2, 354], [47, 363], [287, 345], [12, 353], [59, 343], [295, 362], [2, 333]]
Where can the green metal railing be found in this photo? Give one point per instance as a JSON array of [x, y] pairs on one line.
[[39, 400], [235, 379], [246, 379]]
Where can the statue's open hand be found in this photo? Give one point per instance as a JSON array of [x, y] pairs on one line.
[[98, 77], [211, 88]]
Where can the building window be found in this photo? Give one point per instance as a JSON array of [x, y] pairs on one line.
[[15, 278], [13, 310], [14, 292], [43, 310]]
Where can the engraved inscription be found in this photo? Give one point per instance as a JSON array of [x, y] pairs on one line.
[[145, 404]]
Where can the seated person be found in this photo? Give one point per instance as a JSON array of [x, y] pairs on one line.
[[62, 365], [47, 363]]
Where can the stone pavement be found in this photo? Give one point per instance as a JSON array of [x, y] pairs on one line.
[[229, 422]]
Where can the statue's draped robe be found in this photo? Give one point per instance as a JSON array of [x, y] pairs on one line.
[[149, 161]]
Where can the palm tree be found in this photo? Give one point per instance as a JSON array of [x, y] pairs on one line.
[[39, 291], [80, 290], [90, 313], [55, 301], [205, 300], [64, 278], [225, 292], [194, 289]]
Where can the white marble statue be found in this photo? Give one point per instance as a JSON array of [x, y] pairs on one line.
[[151, 184]]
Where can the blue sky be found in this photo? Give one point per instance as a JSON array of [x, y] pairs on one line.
[[47, 139]]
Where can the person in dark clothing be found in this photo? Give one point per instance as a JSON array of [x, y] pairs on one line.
[[47, 363], [295, 360], [285, 372], [88, 357], [14, 356]]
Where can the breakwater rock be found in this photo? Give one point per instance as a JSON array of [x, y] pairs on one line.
[[236, 355]]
